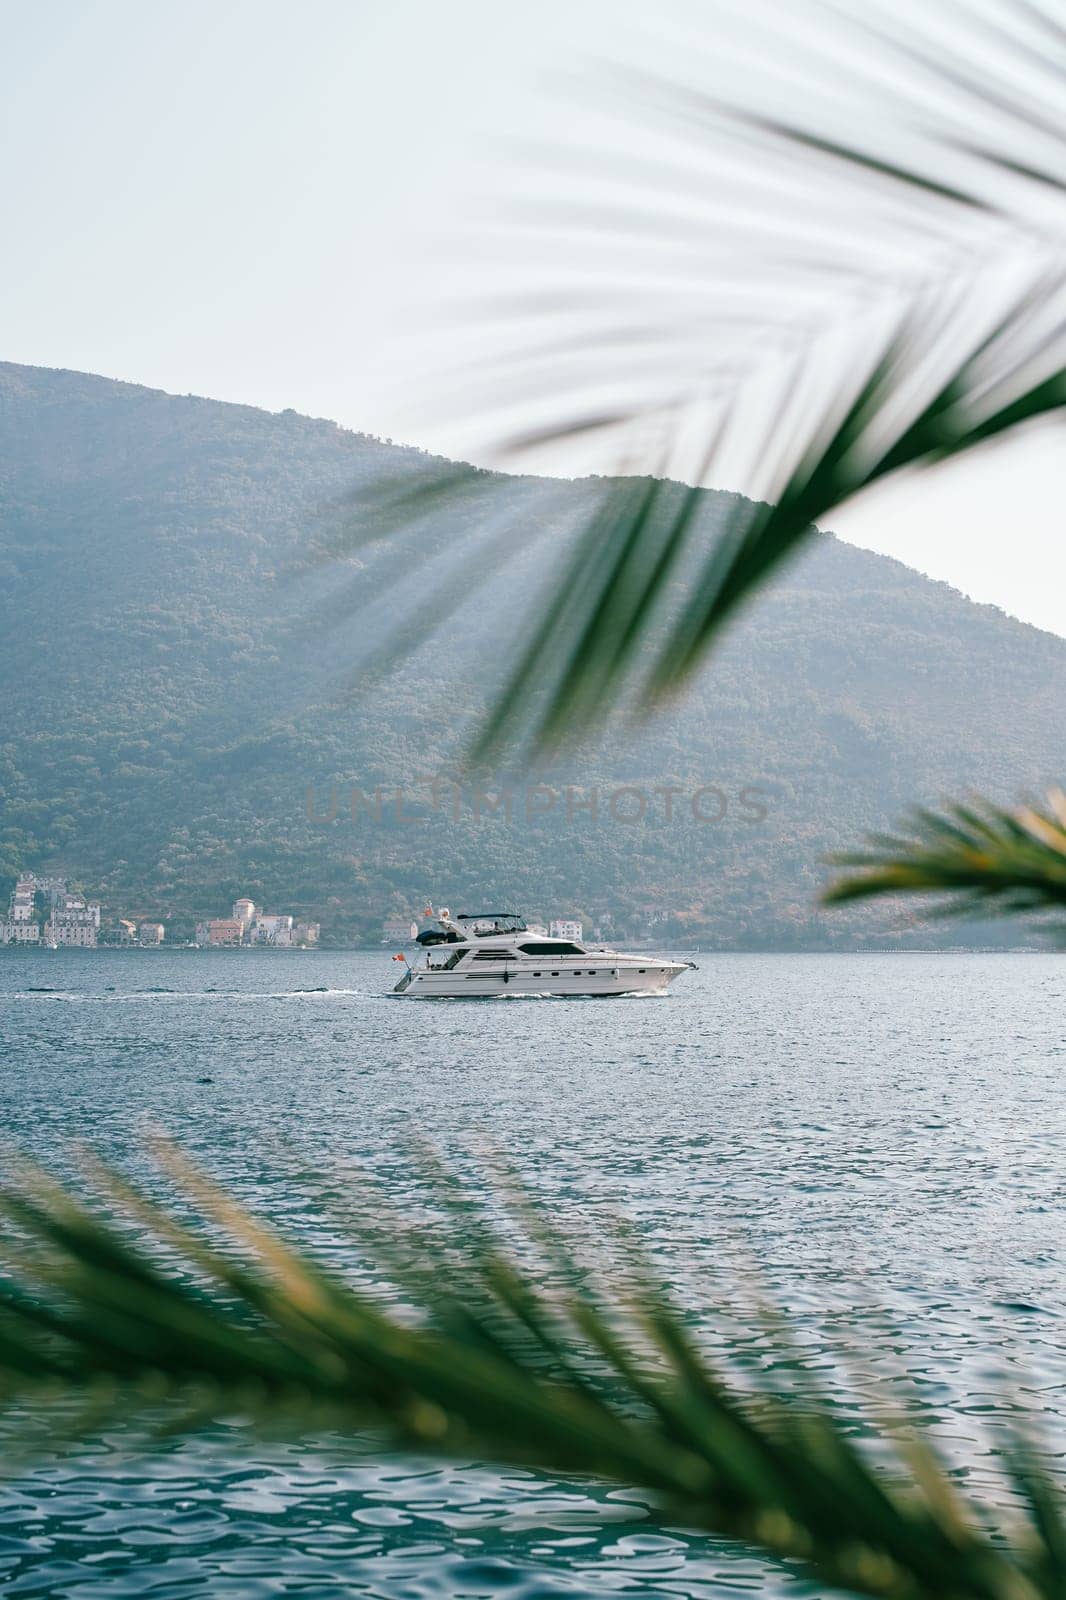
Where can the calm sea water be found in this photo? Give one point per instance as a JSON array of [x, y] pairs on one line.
[[862, 1132]]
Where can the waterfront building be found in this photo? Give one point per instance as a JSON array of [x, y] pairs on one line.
[[72, 922], [220, 931], [565, 928], [79, 932], [22, 899], [249, 925], [151, 933], [20, 924]]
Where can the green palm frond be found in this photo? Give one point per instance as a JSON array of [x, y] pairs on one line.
[[984, 859], [122, 1309], [875, 251], [615, 622]]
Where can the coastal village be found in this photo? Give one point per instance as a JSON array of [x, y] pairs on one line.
[[43, 911], [249, 924], [69, 919]]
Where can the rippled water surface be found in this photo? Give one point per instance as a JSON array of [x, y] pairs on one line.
[[870, 1132]]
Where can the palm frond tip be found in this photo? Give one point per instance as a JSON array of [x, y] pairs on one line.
[[980, 859]]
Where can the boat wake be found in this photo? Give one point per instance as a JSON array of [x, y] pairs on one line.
[[135, 996]]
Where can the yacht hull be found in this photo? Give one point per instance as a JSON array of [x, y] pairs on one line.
[[651, 978]]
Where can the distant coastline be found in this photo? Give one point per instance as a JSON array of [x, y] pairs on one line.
[[376, 948]]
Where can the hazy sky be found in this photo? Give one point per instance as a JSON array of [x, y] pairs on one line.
[[275, 203]]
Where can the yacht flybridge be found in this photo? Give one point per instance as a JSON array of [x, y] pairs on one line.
[[494, 953]]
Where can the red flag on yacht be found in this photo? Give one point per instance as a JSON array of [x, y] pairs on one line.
[[400, 957]]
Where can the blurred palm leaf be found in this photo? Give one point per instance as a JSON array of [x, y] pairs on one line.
[[129, 1311], [852, 265], [982, 859]]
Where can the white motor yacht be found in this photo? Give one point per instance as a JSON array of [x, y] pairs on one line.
[[493, 953]]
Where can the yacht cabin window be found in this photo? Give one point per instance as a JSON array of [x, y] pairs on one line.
[[554, 947]]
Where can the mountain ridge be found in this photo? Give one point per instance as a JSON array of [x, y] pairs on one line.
[[172, 698]]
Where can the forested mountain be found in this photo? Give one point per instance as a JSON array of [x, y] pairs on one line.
[[173, 689]]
